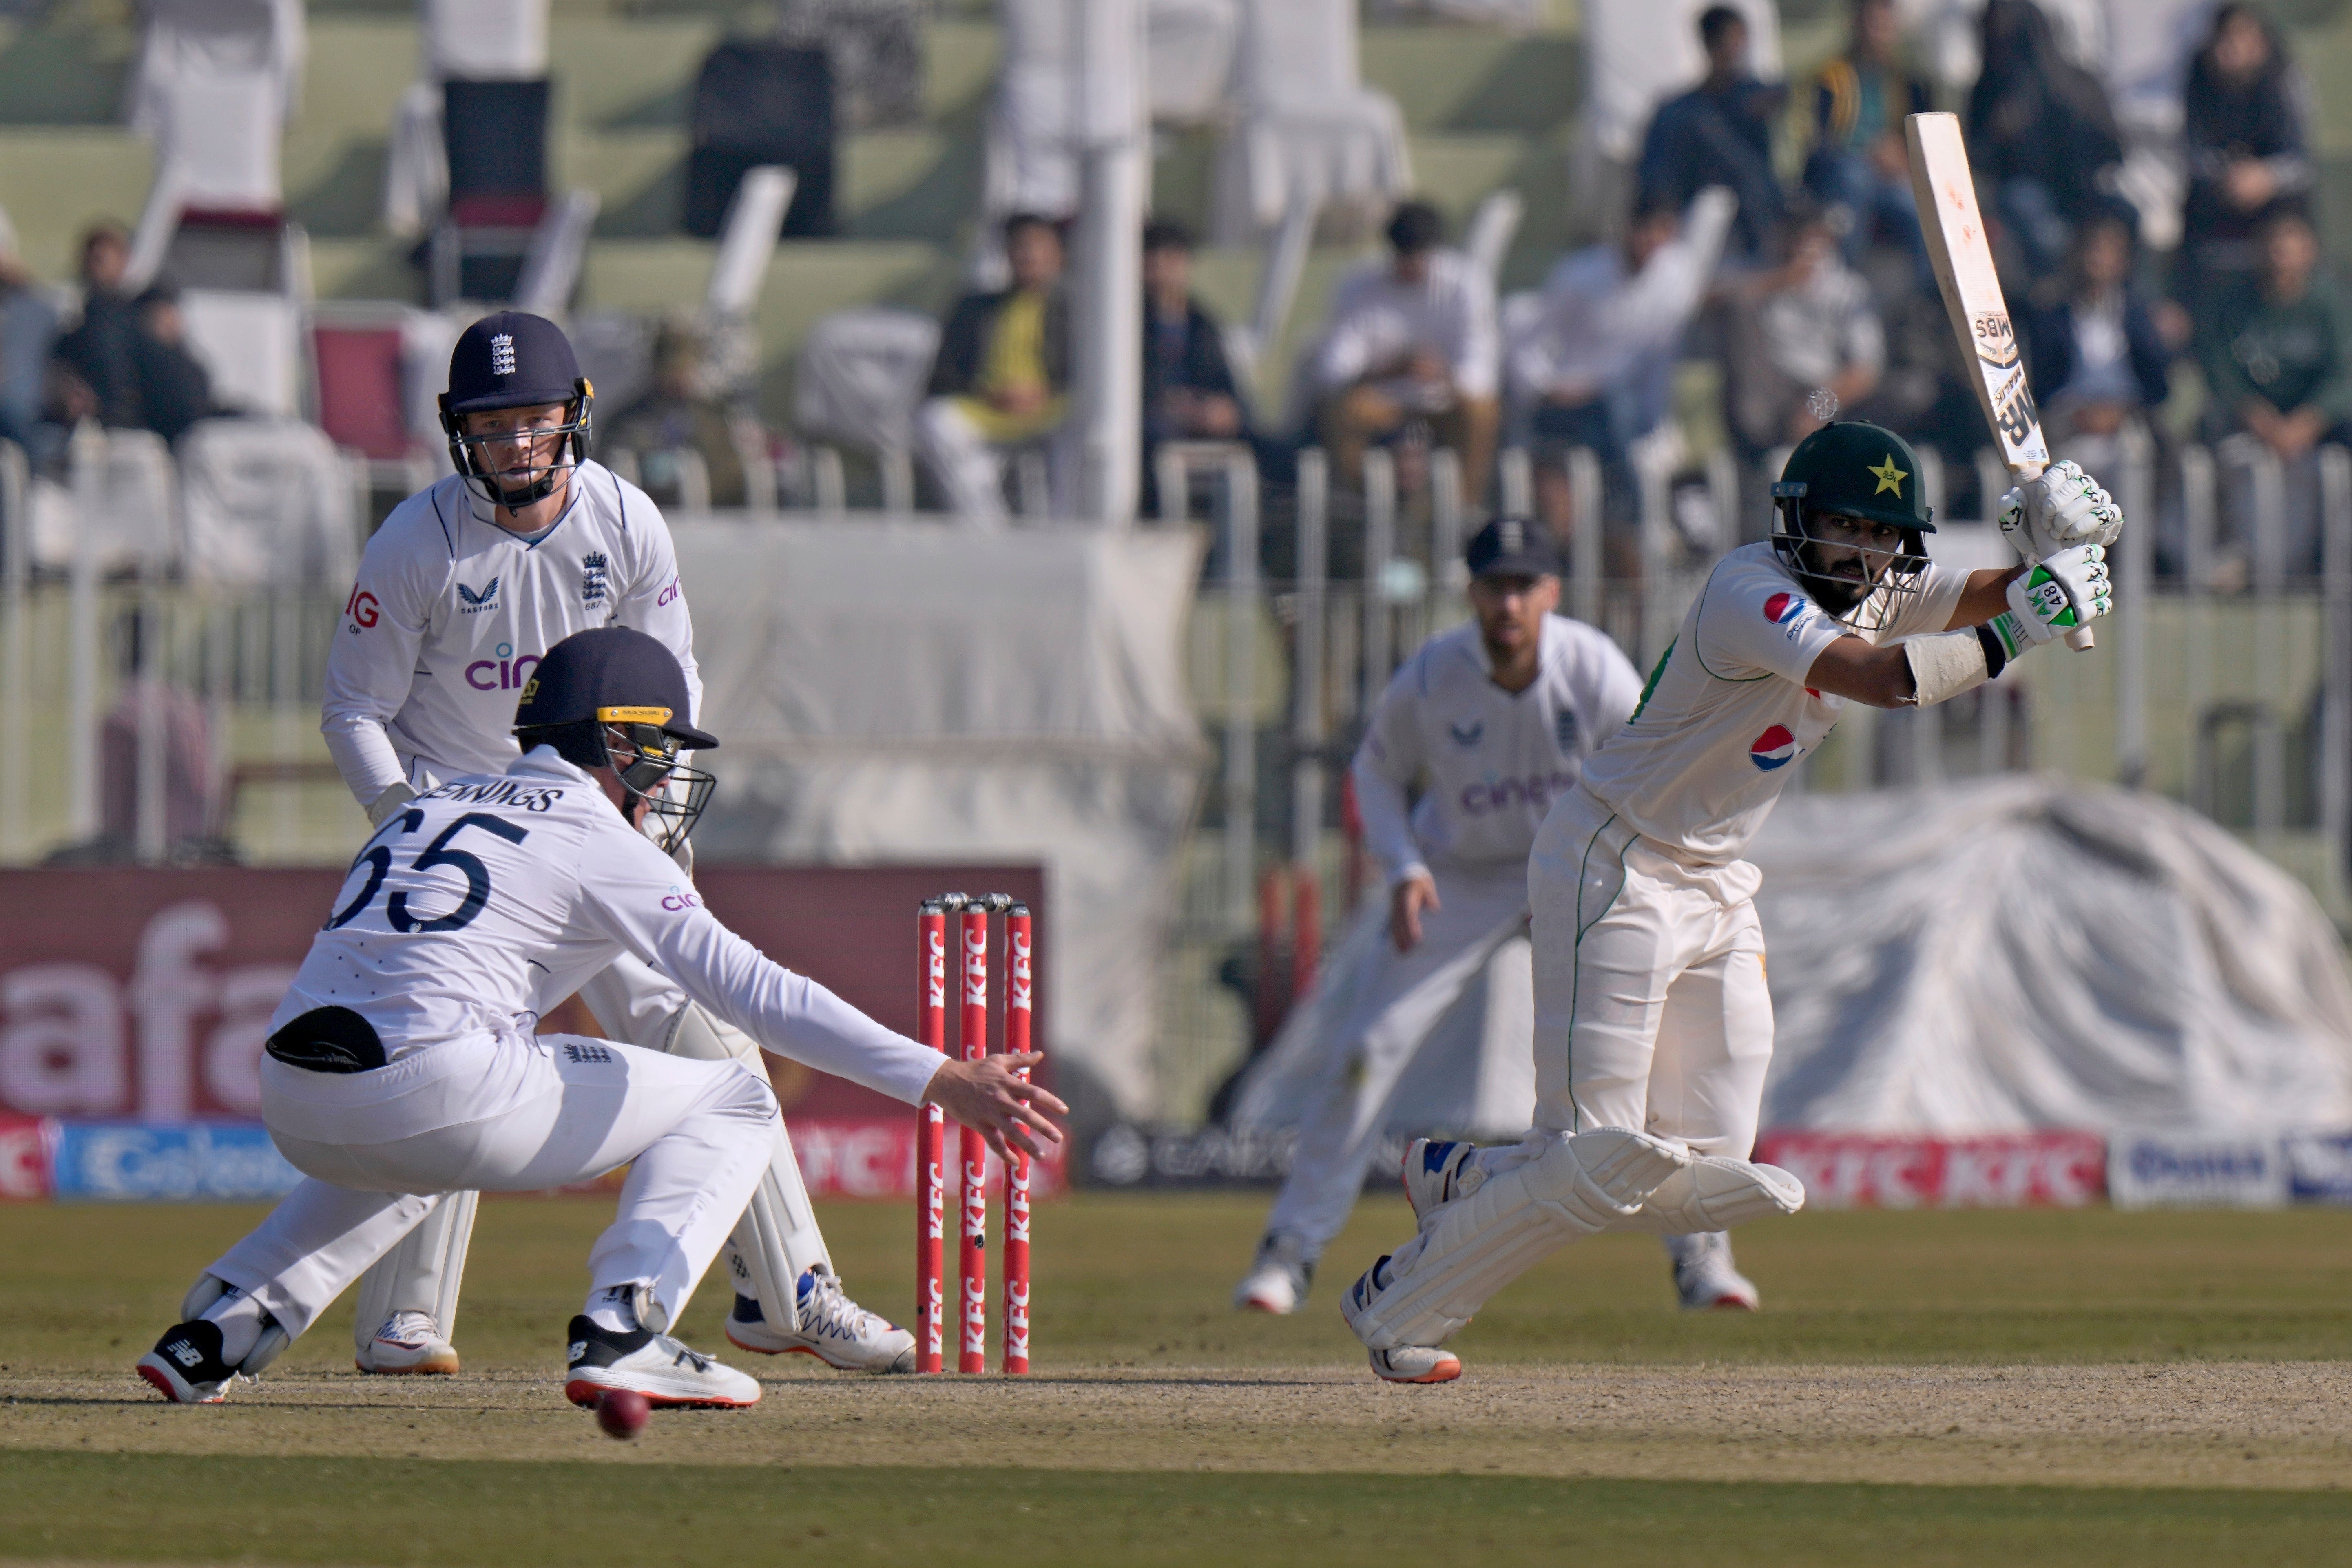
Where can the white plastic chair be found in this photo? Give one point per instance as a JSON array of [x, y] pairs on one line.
[[266, 502], [1310, 132], [251, 343]]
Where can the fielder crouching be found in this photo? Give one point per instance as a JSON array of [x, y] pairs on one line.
[[402, 1066], [1654, 1026]]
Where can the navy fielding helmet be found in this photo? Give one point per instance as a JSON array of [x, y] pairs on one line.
[[1864, 472], [616, 698], [1512, 547], [512, 359]]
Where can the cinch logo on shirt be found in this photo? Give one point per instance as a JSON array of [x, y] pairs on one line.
[[1782, 608], [1536, 790], [504, 673], [677, 899], [1773, 749]]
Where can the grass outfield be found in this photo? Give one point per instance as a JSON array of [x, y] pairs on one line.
[[1931, 1388]]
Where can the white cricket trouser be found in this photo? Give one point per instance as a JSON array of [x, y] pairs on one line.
[[1650, 1007], [632, 1002], [1401, 1002], [970, 468], [504, 1112]]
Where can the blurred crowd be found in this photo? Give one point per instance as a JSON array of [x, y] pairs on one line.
[[1770, 231]]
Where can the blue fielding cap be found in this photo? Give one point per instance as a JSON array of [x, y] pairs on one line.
[[1513, 547], [616, 673], [511, 359]]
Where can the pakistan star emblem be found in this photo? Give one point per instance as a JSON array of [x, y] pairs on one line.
[[1889, 477]]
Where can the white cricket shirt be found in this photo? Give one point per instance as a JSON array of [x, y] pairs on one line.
[[451, 612], [1726, 709], [1491, 761], [492, 891]]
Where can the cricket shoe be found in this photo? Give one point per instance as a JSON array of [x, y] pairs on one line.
[[186, 1364], [1703, 1276], [1438, 1171], [834, 1329], [1416, 1363], [664, 1370], [408, 1345], [1279, 1279]]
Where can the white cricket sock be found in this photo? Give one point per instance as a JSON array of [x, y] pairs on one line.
[[241, 1321], [614, 1309]]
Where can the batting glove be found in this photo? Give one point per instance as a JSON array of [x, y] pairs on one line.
[[2054, 597], [2062, 509]]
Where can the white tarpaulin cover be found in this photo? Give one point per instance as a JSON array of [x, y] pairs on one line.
[[893, 691], [1991, 957], [2034, 952]]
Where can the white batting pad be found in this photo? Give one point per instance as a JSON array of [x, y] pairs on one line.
[[1437, 1282], [760, 1255], [1714, 1193]]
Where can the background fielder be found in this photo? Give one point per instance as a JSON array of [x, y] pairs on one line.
[[460, 594], [1654, 1026], [402, 1064], [1494, 719]]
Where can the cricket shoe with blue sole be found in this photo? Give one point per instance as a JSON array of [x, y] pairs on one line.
[[834, 1329], [409, 1344], [1398, 1363], [1438, 1171], [1278, 1277], [655, 1365]]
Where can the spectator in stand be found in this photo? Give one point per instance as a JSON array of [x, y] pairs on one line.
[[2097, 351], [1002, 378], [1413, 337], [1189, 392], [175, 390], [2041, 133], [1717, 133], [1803, 328], [676, 414], [98, 373], [2277, 356], [1595, 369], [29, 331], [1859, 168], [2244, 133]]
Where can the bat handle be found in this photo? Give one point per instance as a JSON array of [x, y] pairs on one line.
[[2082, 639]]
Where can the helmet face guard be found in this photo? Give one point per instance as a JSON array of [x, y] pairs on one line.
[[666, 796], [1862, 606], [467, 456]]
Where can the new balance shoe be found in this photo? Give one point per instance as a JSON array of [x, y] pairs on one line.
[[1705, 1277], [186, 1364], [834, 1329], [1278, 1277], [1437, 1172], [409, 1344], [664, 1370], [1417, 1364]]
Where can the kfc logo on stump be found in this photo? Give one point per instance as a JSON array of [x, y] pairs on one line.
[[1774, 748]]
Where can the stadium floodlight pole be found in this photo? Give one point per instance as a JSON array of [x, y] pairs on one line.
[[1019, 990]]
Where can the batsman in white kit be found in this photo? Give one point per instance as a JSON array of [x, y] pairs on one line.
[[402, 1067], [460, 594], [1494, 719], [1654, 1026]]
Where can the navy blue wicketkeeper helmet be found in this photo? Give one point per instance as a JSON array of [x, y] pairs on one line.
[[512, 359]]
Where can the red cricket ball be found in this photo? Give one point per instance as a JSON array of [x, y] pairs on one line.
[[622, 1412]]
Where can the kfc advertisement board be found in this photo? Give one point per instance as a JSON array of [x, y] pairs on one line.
[[2016, 1170]]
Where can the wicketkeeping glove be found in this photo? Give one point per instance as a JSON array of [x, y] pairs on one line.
[[2062, 509], [2054, 597]]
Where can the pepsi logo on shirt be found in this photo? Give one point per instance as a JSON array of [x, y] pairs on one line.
[[1773, 749]]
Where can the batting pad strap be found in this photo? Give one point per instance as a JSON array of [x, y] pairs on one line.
[[1437, 1282], [1947, 664], [1716, 1193]]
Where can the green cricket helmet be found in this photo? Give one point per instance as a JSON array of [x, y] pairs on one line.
[[1852, 469]]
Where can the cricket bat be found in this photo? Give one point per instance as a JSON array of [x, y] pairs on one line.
[[1962, 256]]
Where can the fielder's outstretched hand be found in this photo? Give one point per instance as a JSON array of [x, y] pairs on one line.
[[2062, 509], [986, 1097]]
